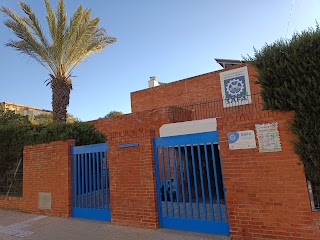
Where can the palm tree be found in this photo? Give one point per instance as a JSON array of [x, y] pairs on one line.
[[66, 47]]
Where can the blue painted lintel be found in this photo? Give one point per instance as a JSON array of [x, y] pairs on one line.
[[128, 145]]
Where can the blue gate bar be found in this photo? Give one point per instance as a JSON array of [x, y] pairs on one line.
[[209, 182], [170, 183], [94, 179], [158, 185], [164, 183], [176, 179], [90, 176], [182, 184], [107, 183], [216, 183], [202, 185], [86, 176], [224, 190], [98, 178], [189, 184], [102, 180], [195, 182], [79, 181], [82, 180], [73, 180]]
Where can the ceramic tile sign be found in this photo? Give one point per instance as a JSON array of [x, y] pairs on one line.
[[268, 137], [241, 140], [235, 87]]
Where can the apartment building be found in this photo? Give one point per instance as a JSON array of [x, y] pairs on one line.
[[22, 109]]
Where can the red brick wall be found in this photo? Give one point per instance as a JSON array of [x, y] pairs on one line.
[[10, 202], [267, 196], [148, 119], [193, 89], [132, 179], [46, 168], [316, 219]]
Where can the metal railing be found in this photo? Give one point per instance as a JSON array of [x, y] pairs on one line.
[[314, 193], [213, 108], [11, 184]]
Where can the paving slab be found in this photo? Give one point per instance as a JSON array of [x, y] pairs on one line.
[[24, 226]]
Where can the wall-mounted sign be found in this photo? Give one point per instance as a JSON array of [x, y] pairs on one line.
[[268, 137], [235, 87], [128, 145], [241, 140]]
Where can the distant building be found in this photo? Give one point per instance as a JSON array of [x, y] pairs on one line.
[[22, 109]]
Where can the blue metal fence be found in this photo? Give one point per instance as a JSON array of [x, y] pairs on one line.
[[90, 182], [190, 190]]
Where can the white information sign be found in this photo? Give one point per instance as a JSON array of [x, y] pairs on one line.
[[235, 87], [241, 140], [268, 137]]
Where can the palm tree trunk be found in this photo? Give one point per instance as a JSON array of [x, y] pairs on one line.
[[61, 88]]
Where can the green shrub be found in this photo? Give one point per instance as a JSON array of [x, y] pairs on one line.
[[289, 75], [14, 137]]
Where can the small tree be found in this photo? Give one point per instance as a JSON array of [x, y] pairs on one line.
[[114, 114]]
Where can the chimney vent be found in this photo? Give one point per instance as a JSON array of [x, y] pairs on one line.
[[153, 82]]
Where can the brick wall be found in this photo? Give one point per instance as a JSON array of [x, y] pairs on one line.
[[11, 202], [316, 219], [46, 168], [140, 120], [132, 179], [266, 194], [194, 89]]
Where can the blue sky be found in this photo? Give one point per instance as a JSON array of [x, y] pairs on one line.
[[169, 39]]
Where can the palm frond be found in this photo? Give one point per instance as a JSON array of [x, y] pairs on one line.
[[21, 30], [22, 47], [72, 31], [51, 20], [87, 40], [60, 34], [69, 44], [34, 23]]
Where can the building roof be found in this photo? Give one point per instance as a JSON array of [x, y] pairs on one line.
[[226, 63], [24, 106]]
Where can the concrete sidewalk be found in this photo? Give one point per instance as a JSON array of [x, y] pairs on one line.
[[17, 225]]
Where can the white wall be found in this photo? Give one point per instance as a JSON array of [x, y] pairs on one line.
[[190, 127]]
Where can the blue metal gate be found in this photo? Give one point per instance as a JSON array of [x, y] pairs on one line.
[[90, 185], [189, 179]]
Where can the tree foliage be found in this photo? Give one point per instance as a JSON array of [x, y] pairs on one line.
[[67, 45], [289, 74], [10, 117], [114, 114], [47, 118]]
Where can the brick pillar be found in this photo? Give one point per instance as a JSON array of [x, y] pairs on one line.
[[46, 169], [267, 196], [132, 179]]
